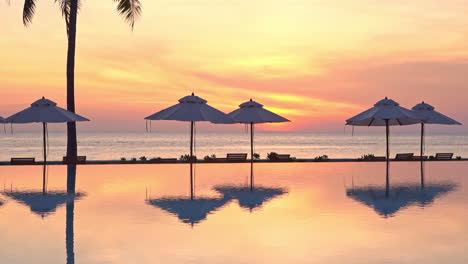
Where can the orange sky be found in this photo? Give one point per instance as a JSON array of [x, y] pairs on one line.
[[315, 62]]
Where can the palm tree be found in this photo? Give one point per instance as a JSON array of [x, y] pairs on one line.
[[129, 9]]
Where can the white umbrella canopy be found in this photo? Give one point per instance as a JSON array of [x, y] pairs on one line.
[[44, 111], [429, 115], [385, 111], [192, 109], [252, 113]]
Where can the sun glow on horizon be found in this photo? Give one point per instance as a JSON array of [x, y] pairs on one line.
[[291, 57]]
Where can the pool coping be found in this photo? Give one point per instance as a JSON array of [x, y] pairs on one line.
[[120, 162]]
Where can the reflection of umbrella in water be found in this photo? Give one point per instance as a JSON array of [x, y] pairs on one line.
[[190, 210], [399, 197], [42, 204], [250, 197], [45, 202]]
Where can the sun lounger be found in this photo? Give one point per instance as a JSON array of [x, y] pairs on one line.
[[419, 158], [236, 157], [74, 159], [22, 161], [443, 156], [169, 160], [404, 156], [283, 157]]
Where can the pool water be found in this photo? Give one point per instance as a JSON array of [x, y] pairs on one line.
[[219, 213]]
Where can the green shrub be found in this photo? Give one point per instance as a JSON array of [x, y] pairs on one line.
[[143, 158], [133, 160], [208, 158], [431, 157], [123, 159], [187, 157], [256, 156], [272, 156], [321, 158], [458, 157], [367, 157]]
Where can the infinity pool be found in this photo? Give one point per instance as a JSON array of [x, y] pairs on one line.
[[235, 213]]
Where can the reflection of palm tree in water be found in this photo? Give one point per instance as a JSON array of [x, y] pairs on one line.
[[69, 232]]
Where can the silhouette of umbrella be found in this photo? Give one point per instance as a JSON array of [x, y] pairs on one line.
[[250, 197], [428, 115], [399, 197], [385, 112], [44, 111], [252, 113], [192, 109], [190, 210], [2, 120]]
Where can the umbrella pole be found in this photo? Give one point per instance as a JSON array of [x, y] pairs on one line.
[[44, 140], [191, 182], [251, 176], [422, 153], [191, 140], [251, 140], [44, 132], [387, 180]]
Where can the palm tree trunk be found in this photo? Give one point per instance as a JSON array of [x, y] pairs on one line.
[[72, 149]]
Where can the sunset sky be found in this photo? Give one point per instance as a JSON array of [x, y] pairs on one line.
[[315, 62]]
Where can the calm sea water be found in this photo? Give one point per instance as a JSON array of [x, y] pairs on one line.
[[292, 213], [105, 146]]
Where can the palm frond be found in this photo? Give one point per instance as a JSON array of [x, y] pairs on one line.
[[130, 10], [28, 11], [65, 8]]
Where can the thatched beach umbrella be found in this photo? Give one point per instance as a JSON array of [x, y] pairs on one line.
[[44, 111], [252, 113], [429, 115], [385, 112], [192, 109]]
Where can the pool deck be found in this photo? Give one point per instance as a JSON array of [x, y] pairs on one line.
[[115, 162]]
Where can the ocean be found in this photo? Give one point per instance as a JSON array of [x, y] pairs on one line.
[[112, 146]]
